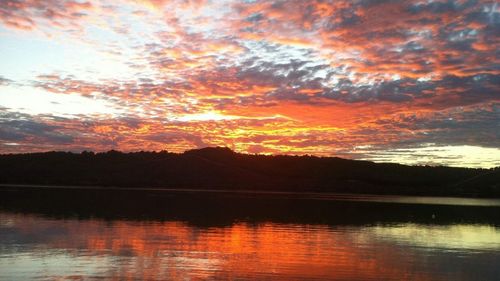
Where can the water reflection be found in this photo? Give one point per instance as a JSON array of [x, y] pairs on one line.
[[221, 239], [37, 247], [452, 237]]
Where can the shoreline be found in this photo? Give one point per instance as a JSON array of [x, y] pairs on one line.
[[328, 196]]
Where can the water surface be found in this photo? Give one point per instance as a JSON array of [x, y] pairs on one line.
[[184, 236]]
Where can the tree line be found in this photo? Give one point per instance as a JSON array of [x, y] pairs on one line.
[[221, 168]]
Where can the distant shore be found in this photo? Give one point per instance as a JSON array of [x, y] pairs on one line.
[[401, 199], [222, 170]]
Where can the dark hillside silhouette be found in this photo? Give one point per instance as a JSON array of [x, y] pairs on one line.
[[221, 168]]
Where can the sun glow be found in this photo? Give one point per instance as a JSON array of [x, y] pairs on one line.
[[257, 76]]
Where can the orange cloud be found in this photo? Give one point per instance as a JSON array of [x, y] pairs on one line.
[[318, 77]]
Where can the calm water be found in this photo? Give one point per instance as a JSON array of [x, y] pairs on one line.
[[81, 235]]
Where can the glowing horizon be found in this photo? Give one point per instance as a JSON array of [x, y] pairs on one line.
[[413, 82]]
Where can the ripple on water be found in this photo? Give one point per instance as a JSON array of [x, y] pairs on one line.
[[34, 247]]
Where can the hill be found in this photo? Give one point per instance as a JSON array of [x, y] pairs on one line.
[[221, 168]]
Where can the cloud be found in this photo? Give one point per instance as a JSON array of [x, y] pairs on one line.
[[18, 127], [318, 77], [28, 15], [4, 81], [473, 125]]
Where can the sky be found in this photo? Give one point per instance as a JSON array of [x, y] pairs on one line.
[[414, 82]]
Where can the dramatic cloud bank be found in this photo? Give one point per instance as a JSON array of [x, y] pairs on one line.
[[400, 81]]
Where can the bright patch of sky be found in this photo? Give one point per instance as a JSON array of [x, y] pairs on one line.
[[38, 101], [450, 155], [25, 57]]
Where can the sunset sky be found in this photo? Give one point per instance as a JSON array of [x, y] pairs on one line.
[[414, 82]]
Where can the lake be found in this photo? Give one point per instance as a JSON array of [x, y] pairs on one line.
[[76, 234]]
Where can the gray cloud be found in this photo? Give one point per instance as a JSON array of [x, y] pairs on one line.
[[478, 126], [5, 81], [15, 126]]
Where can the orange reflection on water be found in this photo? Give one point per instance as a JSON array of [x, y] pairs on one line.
[[152, 250]]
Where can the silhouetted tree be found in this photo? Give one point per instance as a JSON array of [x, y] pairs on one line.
[[221, 168]]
